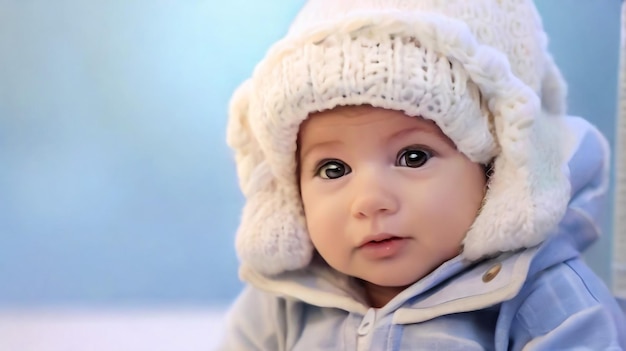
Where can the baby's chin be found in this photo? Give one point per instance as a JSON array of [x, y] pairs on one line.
[[392, 280]]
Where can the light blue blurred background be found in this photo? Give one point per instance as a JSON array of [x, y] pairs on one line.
[[116, 186]]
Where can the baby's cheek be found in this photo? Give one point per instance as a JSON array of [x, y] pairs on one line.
[[450, 216], [320, 228]]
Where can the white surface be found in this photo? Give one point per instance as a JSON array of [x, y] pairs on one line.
[[110, 330]]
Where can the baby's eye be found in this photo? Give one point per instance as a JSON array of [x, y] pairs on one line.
[[332, 170], [413, 157]]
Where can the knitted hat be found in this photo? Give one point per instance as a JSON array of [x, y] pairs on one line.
[[478, 68]]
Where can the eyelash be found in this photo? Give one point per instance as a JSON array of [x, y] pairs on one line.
[[413, 148], [327, 162], [347, 170]]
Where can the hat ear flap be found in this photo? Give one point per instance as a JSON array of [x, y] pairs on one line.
[[240, 136], [272, 235], [528, 191], [553, 89]]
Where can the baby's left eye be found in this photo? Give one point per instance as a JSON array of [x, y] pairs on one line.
[[413, 157]]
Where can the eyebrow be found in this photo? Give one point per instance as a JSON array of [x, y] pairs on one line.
[[409, 131], [421, 129], [302, 155]]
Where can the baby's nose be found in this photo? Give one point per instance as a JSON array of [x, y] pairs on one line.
[[374, 195]]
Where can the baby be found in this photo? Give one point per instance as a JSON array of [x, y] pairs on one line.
[[412, 182]]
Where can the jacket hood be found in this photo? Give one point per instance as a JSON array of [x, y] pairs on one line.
[[588, 170]]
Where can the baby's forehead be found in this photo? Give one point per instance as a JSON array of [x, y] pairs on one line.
[[333, 121]]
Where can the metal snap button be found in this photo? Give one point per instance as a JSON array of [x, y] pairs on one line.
[[492, 272]]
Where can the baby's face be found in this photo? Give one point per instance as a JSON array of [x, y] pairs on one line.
[[387, 197]]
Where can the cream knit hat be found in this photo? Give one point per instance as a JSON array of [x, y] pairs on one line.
[[478, 68]]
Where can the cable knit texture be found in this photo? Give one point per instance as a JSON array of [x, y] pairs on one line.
[[478, 68]]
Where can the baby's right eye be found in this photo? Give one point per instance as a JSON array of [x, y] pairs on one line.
[[332, 169]]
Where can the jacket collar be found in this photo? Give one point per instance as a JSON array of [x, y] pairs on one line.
[[489, 282], [456, 286]]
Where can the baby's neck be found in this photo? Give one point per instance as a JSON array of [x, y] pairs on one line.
[[378, 296]]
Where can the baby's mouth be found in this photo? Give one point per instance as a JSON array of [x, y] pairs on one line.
[[383, 246], [379, 239]]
